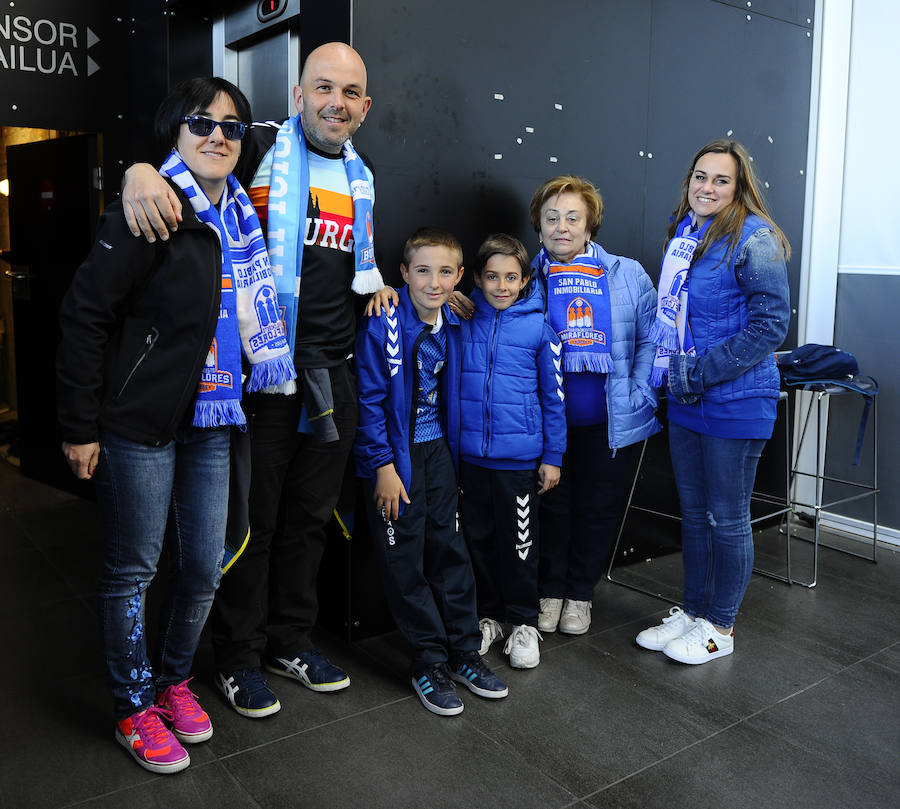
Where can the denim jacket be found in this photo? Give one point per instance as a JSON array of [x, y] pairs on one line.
[[759, 269]]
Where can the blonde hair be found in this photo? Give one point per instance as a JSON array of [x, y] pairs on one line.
[[431, 237], [563, 184], [729, 222]]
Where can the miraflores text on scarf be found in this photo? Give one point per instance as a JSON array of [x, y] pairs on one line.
[[578, 309], [248, 314], [288, 200], [670, 330]]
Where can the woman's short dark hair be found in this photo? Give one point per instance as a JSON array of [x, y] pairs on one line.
[[186, 98]]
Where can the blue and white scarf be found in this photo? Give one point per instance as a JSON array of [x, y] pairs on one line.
[[248, 314], [578, 309], [288, 199], [670, 330]]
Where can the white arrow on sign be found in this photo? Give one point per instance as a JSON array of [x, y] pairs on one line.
[[92, 38], [92, 66]]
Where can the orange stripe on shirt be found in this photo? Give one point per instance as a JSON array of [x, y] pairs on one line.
[[333, 202], [259, 199]]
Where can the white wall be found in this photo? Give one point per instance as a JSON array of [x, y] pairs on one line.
[[851, 267], [870, 214]]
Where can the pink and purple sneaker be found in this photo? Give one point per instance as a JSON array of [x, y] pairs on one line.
[[190, 723], [151, 743]]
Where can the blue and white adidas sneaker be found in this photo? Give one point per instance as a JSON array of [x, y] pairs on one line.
[[437, 692], [470, 669]]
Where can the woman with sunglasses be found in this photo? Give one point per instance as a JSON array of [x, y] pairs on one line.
[[155, 341]]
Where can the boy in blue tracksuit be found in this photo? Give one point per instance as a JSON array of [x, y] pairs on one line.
[[512, 441], [406, 447]]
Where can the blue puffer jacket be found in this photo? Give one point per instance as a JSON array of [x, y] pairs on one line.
[[739, 314], [630, 401], [511, 396], [387, 379]]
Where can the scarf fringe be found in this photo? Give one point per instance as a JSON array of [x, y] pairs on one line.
[[239, 326], [587, 362], [658, 377], [271, 373], [220, 413], [367, 281], [664, 335]]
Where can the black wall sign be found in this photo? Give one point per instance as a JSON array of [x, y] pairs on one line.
[[59, 61]]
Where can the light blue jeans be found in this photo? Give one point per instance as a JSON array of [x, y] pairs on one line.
[[150, 497], [714, 477]]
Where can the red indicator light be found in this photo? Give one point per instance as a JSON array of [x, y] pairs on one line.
[[268, 9]]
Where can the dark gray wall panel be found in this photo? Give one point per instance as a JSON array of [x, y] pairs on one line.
[[659, 78], [714, 74], [435, 125], [866, 325], [799, 12]]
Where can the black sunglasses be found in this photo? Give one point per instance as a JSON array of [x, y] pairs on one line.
[[200, 126]]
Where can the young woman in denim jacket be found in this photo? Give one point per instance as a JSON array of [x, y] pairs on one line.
[[722, 390]]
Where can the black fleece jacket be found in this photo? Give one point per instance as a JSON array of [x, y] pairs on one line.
[[137, 324]]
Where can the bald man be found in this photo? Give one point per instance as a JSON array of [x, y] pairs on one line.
[[319, 239]]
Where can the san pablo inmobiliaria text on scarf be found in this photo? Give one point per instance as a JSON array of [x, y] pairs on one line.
[[248, 314], [578, 309], [670, 330], [288, 198]]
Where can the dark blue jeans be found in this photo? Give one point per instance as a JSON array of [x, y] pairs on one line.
[[715, 479], [177, 493]]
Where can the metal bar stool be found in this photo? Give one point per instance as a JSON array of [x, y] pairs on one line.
[[867, 389], [783, 508]]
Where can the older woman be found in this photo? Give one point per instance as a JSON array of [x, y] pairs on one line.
[[602, 306], [149, 385], [722, 385]]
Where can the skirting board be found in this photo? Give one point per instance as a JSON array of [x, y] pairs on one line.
[[859, 529]]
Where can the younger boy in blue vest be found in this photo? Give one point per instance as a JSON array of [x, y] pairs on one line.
[[406, 449], [512, 441]]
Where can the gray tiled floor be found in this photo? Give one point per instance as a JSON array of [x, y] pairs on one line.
[[805, 714]]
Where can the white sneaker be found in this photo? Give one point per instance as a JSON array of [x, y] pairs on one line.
[[674, 626], [549, 616], [490, 631], [702, 642], [522, 647], [576, 617]]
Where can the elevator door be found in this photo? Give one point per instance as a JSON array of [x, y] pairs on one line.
[[53, 211]]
